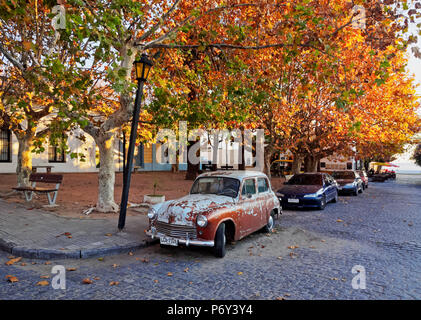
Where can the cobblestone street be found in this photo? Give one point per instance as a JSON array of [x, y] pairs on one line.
[[309, 256]]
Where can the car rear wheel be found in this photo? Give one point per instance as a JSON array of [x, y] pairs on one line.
[[322, 204], [271, 223], [220, 241]]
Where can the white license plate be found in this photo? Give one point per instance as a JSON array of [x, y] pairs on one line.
[[169, 241], [294, 200]]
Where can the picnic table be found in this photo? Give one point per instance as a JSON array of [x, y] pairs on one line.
[[47, 168]]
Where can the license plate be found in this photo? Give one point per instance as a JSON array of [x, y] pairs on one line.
[[169, 241], [294, 200]]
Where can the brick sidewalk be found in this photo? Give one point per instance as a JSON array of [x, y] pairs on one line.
[[39, 234]]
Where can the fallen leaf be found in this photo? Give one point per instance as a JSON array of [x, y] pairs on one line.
[[12, 261], [96, 278], [339, 220], [115, 265], [190, 282], [67, 234], [47, 262], [170, 274], [287, 295], [293, 247], [12, 279], [45, 277], [87, 281], [156, 281], [240, 273], [280, 298], [114, 283], [71, 269], [279, 258], [108, 234], [100, 259], [43, 283], [23, 264], [186, 270]]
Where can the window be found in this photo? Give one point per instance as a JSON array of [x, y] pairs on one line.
[[56, 153], [216, 185], [262, 185], [349, 165], [5, 146], [249, 187], [322, 164]]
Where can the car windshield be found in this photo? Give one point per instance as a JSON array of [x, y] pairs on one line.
[[216, 185], [344, 175], [306, 179]]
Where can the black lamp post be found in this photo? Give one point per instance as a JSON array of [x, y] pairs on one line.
[[142, 66]]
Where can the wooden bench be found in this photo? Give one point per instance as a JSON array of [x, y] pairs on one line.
[[51, 192]]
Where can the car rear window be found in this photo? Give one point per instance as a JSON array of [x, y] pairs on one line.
[[344, 175], [306, 179], [262, 185]]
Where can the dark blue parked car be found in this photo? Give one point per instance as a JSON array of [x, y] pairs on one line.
[[308, 190]]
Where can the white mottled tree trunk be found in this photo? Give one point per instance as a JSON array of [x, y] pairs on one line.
[[296, 164], [24, 165], [106, 175]]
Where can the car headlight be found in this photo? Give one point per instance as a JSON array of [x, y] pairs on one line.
[[152, 213], [314, 195], [201, 221], [279, 195]]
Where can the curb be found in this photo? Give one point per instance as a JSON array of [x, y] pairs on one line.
[[53, 254]]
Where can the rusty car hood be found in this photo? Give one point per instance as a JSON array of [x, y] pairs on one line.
[[299, 189], [183, 211]]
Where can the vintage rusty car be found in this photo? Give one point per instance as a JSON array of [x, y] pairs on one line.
[[222, 206]]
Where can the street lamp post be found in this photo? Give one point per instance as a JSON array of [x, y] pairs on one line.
[[142, 67]]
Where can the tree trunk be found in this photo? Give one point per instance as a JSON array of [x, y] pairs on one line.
[[24, 166], [310, 163], [242, 165], [267, 158], [106, 175], [192, 169], [296, 164]]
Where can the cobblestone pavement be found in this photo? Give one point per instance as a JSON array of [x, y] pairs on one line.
[[379, 230]]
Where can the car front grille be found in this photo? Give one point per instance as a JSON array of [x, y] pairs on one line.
[[176, 230]]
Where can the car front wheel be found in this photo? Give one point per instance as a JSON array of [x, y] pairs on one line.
[[220, 241], [335, 198]]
